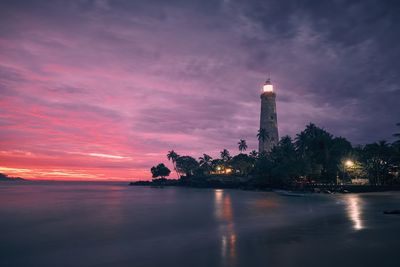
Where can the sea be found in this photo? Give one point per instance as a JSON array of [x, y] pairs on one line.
[[114, 224]]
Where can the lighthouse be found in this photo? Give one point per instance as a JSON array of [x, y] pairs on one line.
[[268, 133]]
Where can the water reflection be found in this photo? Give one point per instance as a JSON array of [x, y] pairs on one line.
[[354, 211], [113, 208], [224, 214], [264, 204]]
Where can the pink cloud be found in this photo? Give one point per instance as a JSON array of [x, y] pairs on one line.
[[135, 81]]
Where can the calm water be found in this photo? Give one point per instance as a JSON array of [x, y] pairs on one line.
[[78, 224]]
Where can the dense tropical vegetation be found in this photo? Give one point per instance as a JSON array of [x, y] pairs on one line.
[[313, 156]]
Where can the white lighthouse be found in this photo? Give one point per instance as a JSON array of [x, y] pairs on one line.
[[268, 134]]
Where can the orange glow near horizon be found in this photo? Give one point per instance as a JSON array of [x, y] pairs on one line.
[[72, 166], [76, 166], [76, 175]]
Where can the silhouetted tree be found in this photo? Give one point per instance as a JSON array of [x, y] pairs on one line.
[[225, 155], [262, 135], [242, 163], [313, 146], [205, 163], [242, 145], [253, 154], [262, 169], [186, 165], [160, 171], [285, 162], [339, 150], [378, 159], [172, 156]]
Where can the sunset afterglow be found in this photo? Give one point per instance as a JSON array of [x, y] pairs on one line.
[[104, 89]]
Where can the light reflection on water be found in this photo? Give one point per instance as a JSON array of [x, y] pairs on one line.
[[354, 211], [224, 214], [110, 225]]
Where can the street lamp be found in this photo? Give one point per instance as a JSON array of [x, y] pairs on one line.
[[349, 163], [348, 166]]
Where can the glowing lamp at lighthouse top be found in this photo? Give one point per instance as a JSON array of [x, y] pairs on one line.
[[268, 87]]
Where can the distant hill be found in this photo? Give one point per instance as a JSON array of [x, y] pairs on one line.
[[4, 177]]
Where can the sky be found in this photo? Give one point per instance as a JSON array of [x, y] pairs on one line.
[[102, 90]]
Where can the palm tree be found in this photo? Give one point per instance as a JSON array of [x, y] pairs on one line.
[[225, 155], [302, 143], [205, 160], [378, 161], [205, 163], [262, 135], [242, 145], [173, 156]]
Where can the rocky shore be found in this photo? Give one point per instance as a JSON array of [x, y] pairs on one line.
[[229, 182]]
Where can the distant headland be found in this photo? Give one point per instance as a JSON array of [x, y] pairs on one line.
[[4, 177]]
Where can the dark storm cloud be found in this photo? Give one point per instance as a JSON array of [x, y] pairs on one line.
[[343, 53]]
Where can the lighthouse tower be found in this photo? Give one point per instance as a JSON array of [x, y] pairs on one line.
[[268, 133]]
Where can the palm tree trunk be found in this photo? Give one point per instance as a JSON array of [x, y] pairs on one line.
[[177, 174]]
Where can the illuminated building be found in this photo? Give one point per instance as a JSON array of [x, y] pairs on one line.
[[268, 118]]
